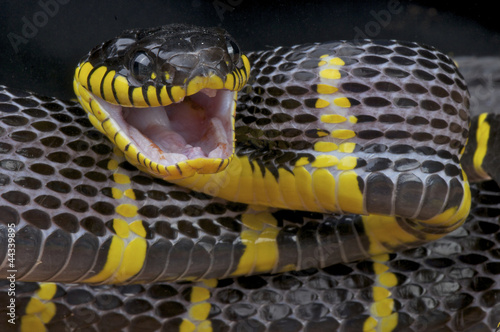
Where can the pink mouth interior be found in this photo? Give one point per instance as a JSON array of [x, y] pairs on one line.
[[200, 126]]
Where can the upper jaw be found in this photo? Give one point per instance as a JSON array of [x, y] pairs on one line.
[[194, 135]]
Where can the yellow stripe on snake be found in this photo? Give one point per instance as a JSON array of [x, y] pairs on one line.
[[198, 178]]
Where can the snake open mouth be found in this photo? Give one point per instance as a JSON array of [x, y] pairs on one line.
[[166, 98], [198, 126]]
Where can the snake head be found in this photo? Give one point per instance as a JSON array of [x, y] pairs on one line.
[[166, 97]]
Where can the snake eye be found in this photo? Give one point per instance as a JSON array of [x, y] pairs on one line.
[[141, 66], [233, 50]]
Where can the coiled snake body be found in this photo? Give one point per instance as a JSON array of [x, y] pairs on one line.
[[372, 132]]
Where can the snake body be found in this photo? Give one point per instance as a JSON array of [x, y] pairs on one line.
[[376, 129]]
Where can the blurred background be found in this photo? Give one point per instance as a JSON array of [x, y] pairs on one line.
[[42, 41]]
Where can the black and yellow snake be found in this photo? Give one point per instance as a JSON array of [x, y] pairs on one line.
[[344, 151]]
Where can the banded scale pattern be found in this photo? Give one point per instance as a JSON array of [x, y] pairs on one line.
[[449, 285], [70, 194], [256, 239], [383, 119], [479, 163]]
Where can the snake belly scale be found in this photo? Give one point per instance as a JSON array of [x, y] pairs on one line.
[[371, 128]]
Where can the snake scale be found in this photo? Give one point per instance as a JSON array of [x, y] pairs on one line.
[[344, 151]]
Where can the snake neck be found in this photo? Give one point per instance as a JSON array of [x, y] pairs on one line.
[[366, 129]]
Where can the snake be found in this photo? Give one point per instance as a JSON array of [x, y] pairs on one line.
[[192, 187]]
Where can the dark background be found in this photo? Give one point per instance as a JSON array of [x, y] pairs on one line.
[[46, 56]]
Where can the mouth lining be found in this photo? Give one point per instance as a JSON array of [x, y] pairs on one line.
[[198, 126]]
